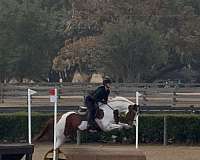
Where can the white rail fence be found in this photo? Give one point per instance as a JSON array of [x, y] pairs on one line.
[[73, 94]]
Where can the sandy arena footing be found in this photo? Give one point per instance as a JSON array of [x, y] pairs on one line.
[[103, 153]]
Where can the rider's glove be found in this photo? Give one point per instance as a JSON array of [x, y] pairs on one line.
[[104, 102]]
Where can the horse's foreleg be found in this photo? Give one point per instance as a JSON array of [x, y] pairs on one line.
[[46, 133], [125, 125], [113, 126]]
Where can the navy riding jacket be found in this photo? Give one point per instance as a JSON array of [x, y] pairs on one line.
[[100, 94]]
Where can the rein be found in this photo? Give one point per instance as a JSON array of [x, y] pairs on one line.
[[113, 101], [107, 105]]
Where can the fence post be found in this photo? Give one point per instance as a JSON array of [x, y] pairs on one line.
[[144, 98], [78, 137], [165, 131], [1, 92], [174, 98]]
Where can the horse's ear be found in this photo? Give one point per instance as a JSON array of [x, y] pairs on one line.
[[132, 107]]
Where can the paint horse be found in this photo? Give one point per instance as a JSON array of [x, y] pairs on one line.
[[107, 118]]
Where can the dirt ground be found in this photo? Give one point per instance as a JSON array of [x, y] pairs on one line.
[[151, 152]]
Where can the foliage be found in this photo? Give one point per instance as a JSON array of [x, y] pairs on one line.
[[133, 51], [172, 23], [14, 127], [32, 32], [180, 129]]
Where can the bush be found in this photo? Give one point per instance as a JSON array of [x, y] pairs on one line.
[[14, 127], [180, 128]]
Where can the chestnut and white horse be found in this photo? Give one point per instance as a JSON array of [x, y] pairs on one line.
[[107, 119]]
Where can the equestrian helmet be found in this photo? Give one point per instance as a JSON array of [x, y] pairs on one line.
[[107, 80]]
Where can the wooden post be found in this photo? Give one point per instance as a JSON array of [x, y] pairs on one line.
[[174, 98], [78, 137], [1, 92], [165, 131], [144, 98]]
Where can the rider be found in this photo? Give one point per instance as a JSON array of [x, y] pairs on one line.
[[99, 95]]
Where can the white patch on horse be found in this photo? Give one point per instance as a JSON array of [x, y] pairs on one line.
[[60, 128]]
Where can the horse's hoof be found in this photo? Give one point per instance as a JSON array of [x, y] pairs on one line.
[[128, 127]]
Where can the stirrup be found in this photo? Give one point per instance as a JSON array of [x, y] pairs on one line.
[[82, 110]]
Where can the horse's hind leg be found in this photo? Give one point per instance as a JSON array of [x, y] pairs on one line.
[[46, 133], [60, 140], [71, 125]]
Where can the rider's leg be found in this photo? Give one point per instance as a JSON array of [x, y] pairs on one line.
[[91, 118], [91, 112]]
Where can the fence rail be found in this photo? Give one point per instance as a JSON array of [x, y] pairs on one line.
[[154, 94]]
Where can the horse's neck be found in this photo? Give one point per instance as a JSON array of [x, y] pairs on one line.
[[121, 105]]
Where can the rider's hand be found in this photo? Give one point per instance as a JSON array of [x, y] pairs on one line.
[[104, 102]]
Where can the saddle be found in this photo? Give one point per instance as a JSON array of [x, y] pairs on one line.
[[82, 110]]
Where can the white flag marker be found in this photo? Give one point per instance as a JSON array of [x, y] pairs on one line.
[[30, 92], [53, 98], [137, 120]]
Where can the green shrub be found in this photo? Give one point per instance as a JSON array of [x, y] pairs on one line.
[[184, 128], [14, 127], [180, 129]]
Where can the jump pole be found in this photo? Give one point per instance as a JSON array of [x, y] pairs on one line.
[[137, 119], [53, 98], [30, 92]]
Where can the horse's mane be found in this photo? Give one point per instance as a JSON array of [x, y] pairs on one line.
[[118, 98]]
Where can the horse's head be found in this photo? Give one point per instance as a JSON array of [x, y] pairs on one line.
[[127, 117], [130, 116]]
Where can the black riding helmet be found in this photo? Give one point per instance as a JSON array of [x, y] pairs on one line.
[[107, 80]]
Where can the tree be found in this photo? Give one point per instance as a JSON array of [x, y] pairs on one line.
[[32, 34], [133, 51], [174, 22]]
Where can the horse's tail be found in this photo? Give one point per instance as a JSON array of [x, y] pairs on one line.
[[46, 134]]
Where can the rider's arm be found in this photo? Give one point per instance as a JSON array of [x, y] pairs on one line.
[[98, 93], [101, 95], [105, 100]]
